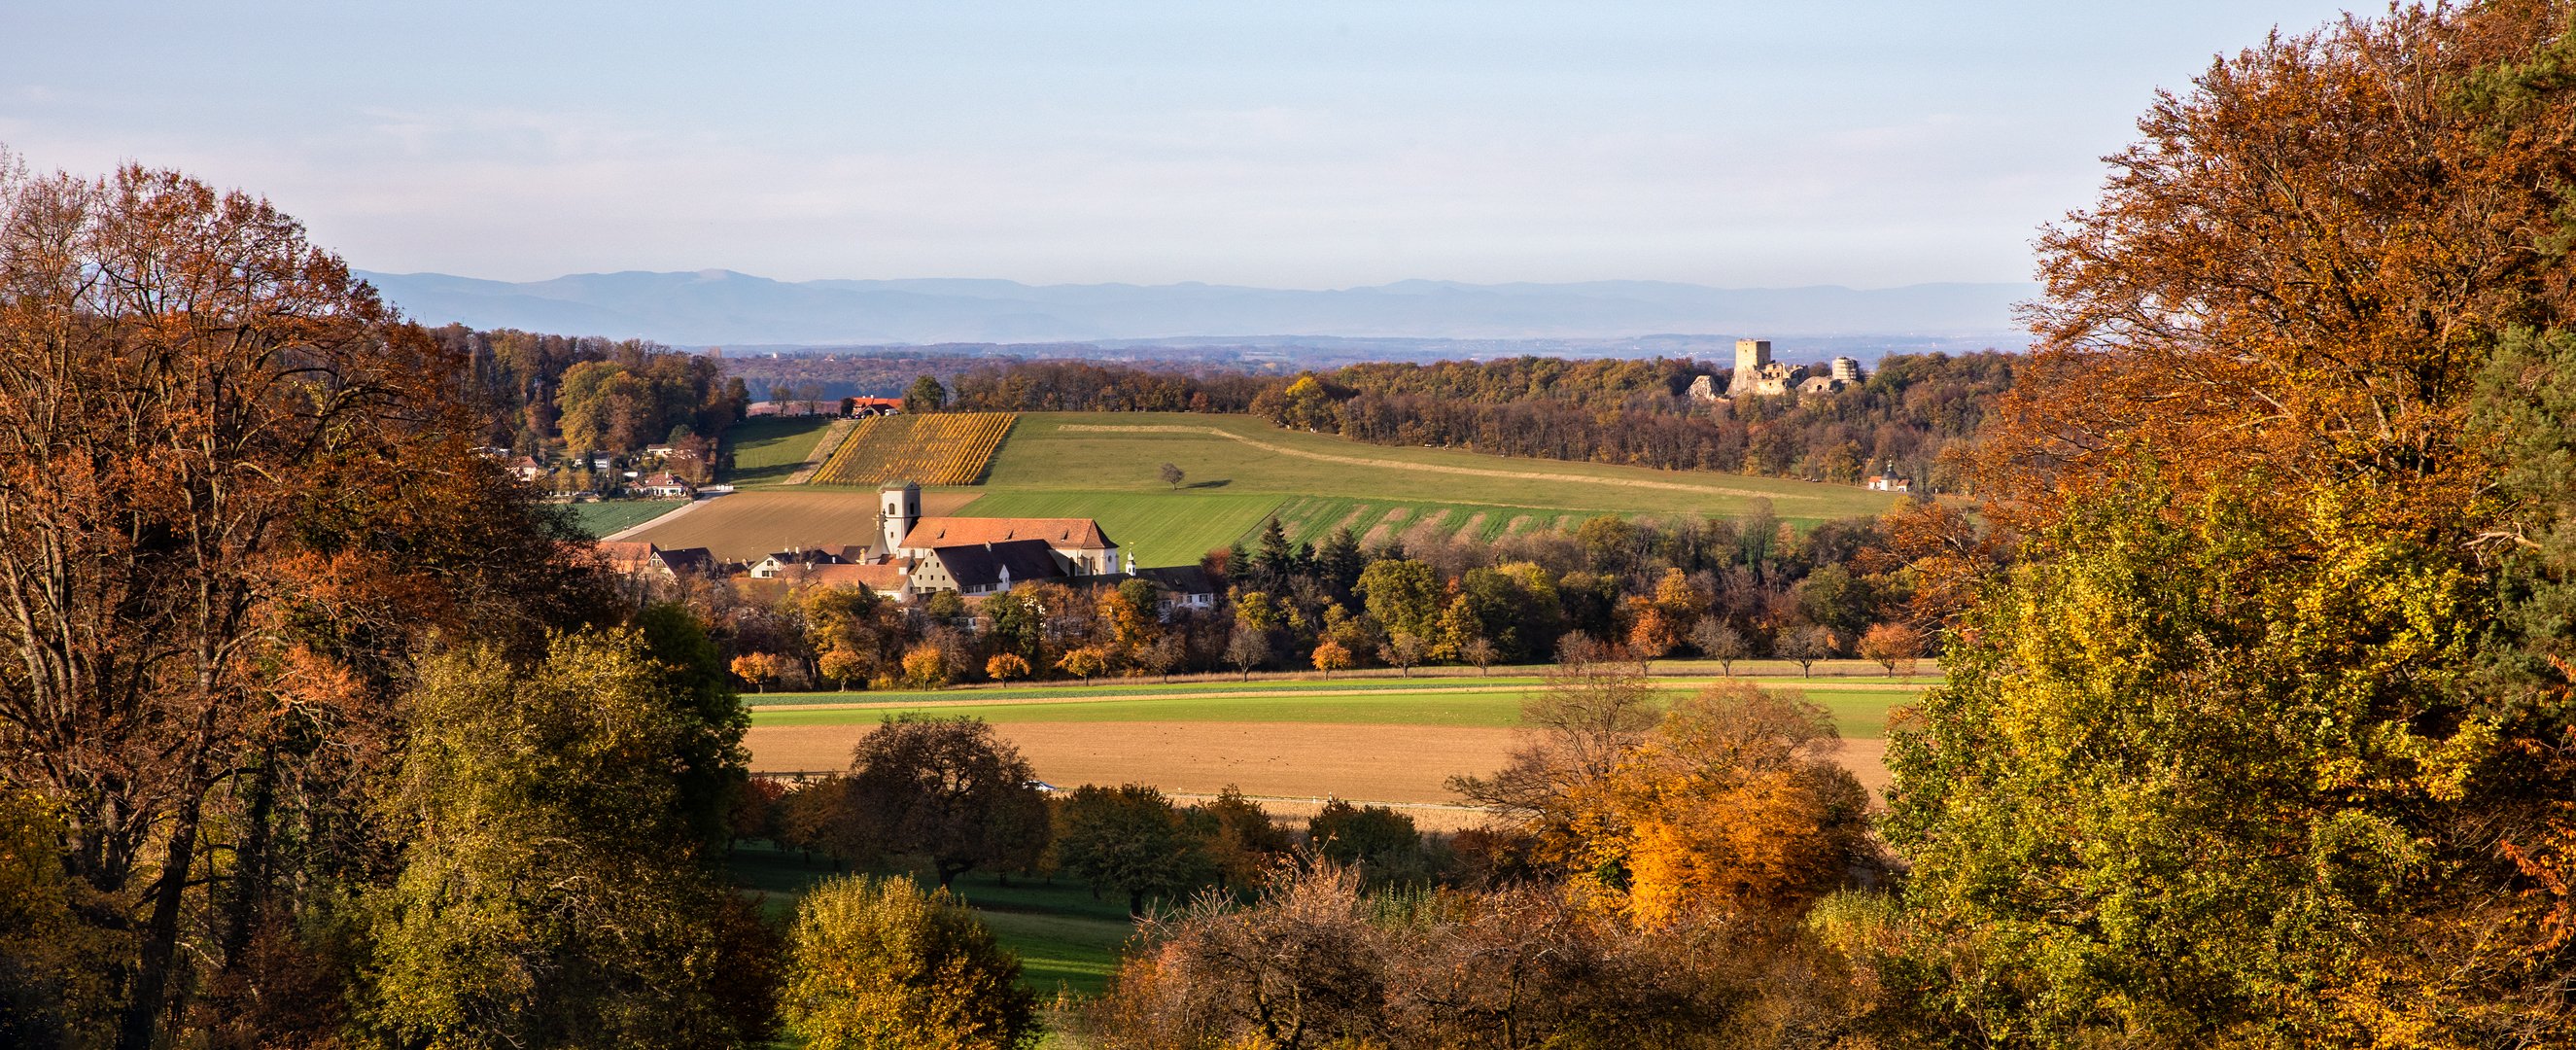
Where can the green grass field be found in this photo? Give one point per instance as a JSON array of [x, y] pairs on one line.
[[1064, 937], [1105, 466], [609, 517], [767, 451], [1160, 528], [1859, 709]]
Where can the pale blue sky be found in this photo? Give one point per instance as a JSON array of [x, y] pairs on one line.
[[1285, 144]]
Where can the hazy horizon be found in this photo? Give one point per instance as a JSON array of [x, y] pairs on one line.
[[1326, 146]]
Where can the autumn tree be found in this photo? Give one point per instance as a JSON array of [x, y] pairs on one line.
[[877, 964], [947, 790], [1735, 801], [1891, 645], [1403, 649], [1576, 732], [2258, 482], [235, 495], [926, 667], [1084, 662], [1004, 667], [756, 670], [1401, 594], [1331, 656], [1479, 652], [556, 873]]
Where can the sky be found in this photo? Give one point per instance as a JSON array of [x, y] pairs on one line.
[[1303, 145]]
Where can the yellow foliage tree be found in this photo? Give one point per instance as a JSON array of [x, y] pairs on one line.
[[879, 965], [1734, 801]]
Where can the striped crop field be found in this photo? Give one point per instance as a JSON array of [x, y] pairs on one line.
[[938, 448], [1376, 520]]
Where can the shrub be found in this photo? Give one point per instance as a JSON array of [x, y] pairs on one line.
[[877, 964]]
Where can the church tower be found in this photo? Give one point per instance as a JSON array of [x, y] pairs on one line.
[[898, 510]]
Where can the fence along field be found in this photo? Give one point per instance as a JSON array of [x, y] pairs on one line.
[[939, 448]]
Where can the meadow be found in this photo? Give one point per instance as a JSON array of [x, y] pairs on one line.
[[1109, 457], [769, 450], [610, 517]]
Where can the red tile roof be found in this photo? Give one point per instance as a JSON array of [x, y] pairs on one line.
[[1077, 533]]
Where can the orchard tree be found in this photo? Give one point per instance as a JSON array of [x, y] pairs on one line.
[[1084, 662], [1331, 656], [1804, 646], [1719, 641], [1402, 650], [945, 789], [1479, 652], [1130, 840], [1891, 645], [1246, 649], [1006, 667]]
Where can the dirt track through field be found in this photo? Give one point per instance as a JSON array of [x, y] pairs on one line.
[[1292, 760], [1432, 468], [823, 449]]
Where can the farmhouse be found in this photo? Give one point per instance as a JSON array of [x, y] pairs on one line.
[[986, 568], [638, 558], [888, 579], [1180, 587]]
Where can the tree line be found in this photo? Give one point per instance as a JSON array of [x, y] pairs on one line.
[[538, 393], [1614, 589]]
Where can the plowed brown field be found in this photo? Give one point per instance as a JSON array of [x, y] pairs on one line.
[[746, 525], [1295, 760]]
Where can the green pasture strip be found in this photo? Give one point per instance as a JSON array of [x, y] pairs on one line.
[[1169, 527], [769, 450], [1065, 938], [1860, 712], [610, 517], [1044, 455]]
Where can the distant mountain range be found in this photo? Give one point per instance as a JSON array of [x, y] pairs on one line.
[[724, 308]]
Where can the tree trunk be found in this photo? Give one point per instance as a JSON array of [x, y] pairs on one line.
[[161, 934], [1135, 904], [250, 864]]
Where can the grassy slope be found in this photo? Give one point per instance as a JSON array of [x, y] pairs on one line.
[[1113, 466], [766, 451], [612, 516], [1160, 528]]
